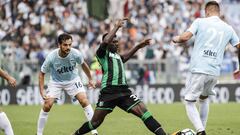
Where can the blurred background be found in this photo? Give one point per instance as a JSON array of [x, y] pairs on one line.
[[29, 28], [28, 32]]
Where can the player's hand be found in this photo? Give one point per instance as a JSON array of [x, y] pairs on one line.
[[144, 43], [91, 84], [175, 39], [236, 74], [12, 81], [120, 22], [45, 97]]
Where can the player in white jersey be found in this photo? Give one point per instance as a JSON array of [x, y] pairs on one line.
[[211, 37], [4, 122], [62, 65]]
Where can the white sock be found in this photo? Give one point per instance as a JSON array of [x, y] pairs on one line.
[[193, 115], [203, 110], [88, 111], [42, 120], [5, 124]]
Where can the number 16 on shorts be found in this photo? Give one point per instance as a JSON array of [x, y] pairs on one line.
[[78, 84]]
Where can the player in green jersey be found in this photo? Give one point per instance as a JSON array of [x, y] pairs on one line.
[[115, 91]]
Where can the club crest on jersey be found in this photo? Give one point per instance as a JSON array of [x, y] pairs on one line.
[[65, 69], [101, 103], [72, 61], [114, 55], [57, 64]]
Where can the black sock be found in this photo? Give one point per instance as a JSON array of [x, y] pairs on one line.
[[154, 126], [85, 128], [201, 133]]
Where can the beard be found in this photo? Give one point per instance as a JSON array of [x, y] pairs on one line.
[[112, 48]]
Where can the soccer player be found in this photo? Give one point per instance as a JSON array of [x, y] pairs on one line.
[[62, 65], [4, 121], [211, 37], [114, 88]]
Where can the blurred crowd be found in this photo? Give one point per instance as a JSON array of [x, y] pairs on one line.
[[29, 28]]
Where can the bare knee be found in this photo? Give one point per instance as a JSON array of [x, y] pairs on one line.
[[96, 123], [47, 105], [84, 102], [82, 99], [139, 110], [98, 117]]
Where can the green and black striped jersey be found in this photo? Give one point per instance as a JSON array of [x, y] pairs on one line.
[[112, 68]]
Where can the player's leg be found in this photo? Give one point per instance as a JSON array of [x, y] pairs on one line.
[[203, 109], [88, 110], [102, 109], [194, 87], [133, 105], [96, 121], [203, 99], [5, 124], [76, 89], [43, 115], [54, 92]]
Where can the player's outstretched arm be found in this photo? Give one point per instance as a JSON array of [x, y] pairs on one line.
[[11, 81], [128, 55], [182, 38], [118, 24], [87, 71], [109, 37], [236, 73]]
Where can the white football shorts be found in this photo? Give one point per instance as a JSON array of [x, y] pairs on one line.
[[199, 84], [72, 88]]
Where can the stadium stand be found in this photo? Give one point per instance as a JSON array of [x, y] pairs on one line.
[[28, 31]]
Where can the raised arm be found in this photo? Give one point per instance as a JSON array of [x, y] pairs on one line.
[[109, 37], [183, 37], [6, 76], [118, 24], [192, 30], [128, 55], [87, 71]]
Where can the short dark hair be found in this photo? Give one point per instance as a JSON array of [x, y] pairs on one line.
[[213, 5], [62, 37]]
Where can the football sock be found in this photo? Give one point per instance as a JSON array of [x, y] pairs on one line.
[[43, 116], [85, 128], [193, 115], [152, 124], [201, 133], [203, 110], [5, 124], [88, 111]]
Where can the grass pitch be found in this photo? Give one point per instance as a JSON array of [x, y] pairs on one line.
[[63, 120]]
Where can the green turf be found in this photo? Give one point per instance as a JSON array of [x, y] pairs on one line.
[[63, 120]]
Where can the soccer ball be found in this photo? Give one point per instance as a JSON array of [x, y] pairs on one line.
[[187, 131]]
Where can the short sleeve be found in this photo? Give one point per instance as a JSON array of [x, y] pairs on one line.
[[79, 57], [194, 27], [46, 65], [234, 40]]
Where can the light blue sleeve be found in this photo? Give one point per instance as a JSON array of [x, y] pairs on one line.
[[79, 57], [194, 27], [234, 39], [46, 65]]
